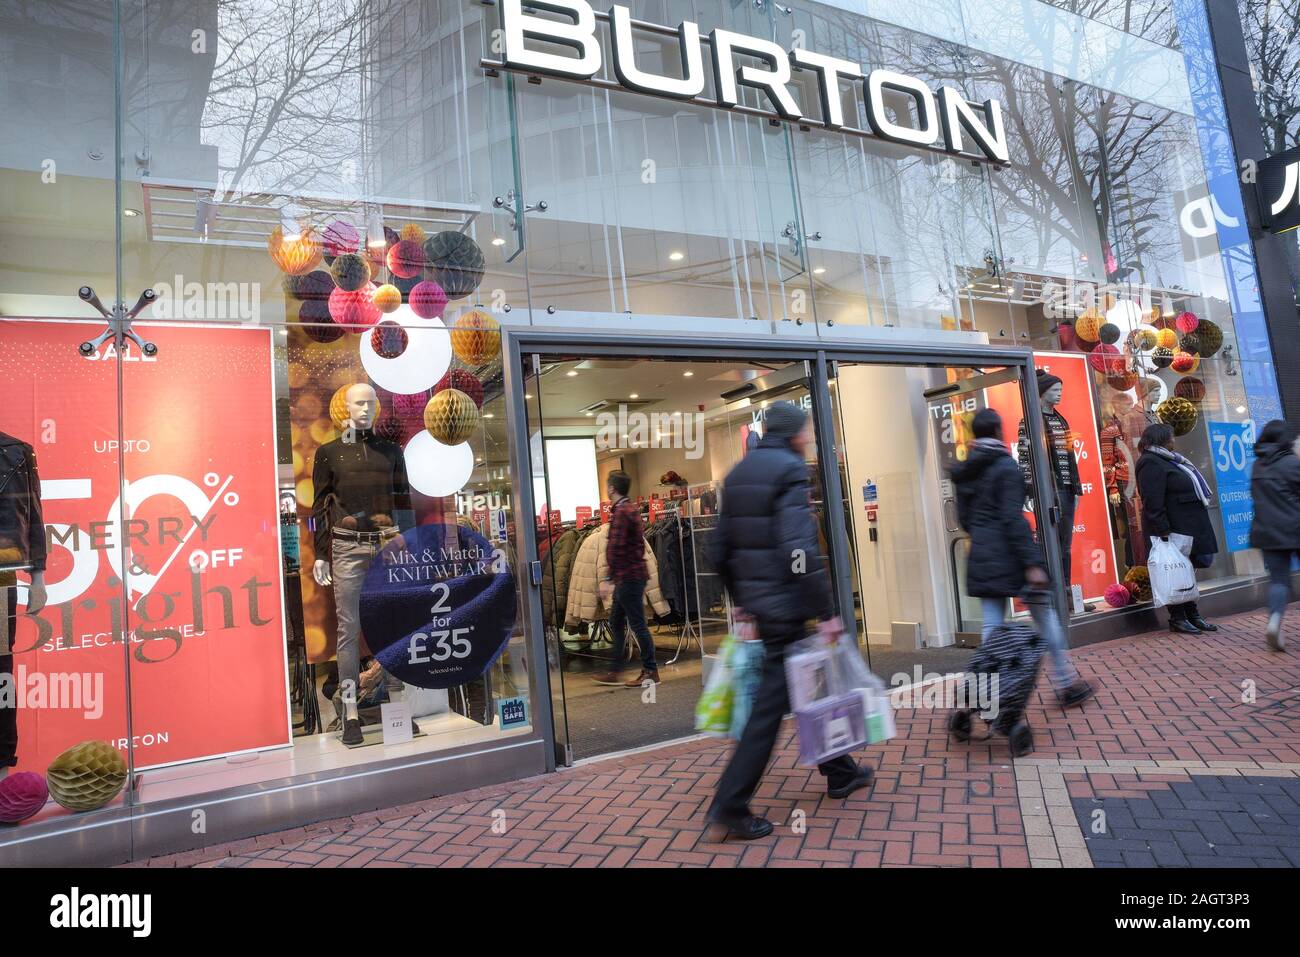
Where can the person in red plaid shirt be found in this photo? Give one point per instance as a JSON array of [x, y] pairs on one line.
[[625, 580]]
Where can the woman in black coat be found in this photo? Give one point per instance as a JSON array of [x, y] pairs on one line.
[[1175, 500], [1004, 558], [1275, 529]]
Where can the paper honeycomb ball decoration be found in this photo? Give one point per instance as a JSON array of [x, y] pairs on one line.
[[428, 301], [1122, 380], [1109, 333], [350, 271], [387, 298], [377, 253], [410, 409], [1185, 363], [1210, 337], [463, 381], [451, 416], [404, 286], [389, 339], [86, 776], [1117, 595], [1138, 583], [1144, 339], [339, 406], [1088, 327], [21, 796], [1186, 322], [389, 426], [1192, 389], [456, 261], [1167, 339], [356, 309], [314, 285], [414, 233], [475, 337], [1177, 413], [1161, 357], [1106, 359], [294, 257], [315, 320], [406, 259], [340, 238]]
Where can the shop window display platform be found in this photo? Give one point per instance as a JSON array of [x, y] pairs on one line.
[[1168, 720]]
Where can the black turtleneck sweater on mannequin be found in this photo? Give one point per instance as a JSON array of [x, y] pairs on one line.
[[360, 485]]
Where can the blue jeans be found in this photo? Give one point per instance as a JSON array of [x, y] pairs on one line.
[[629, 612], [1048, 625], [1278, 563]]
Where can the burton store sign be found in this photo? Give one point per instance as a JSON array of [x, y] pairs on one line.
[[899, 108]]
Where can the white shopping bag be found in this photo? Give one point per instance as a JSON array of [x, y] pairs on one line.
[[1173, 579]]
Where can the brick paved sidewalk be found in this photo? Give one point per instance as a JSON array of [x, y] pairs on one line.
[[1189, 756]]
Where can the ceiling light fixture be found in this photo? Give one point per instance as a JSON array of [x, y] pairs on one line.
[[498, 241], [571, 373], [688, 373], [676, 256], [131, 213], [820, 270]]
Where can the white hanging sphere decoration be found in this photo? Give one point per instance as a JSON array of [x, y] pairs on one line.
[[435, 469], [1126, 315], [425, 361]]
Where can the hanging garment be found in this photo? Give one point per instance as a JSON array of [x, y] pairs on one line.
[[590, 568], [555, 574]]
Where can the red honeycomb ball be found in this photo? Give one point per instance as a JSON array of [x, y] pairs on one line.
[[21, 796], [389, 339], [354, 309], [406, 259], [1186, 322], [315, 320], [463, 381], [1106, 359], [1117, 596], [340, 238], [427, 300]]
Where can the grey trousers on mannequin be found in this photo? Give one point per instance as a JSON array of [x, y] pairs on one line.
[[349, 562]]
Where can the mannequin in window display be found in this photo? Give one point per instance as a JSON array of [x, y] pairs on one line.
[[362, 502], [1121, 426], [1065, 470], [22, 547]]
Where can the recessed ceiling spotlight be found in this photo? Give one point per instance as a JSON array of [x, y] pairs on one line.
[[676, 256], [688, 373], [819, 270], [634, 395], [132, 213], [571, 373], [498, 241]]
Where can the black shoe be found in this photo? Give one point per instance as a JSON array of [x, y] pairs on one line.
[[1076, 694], [1181, 627], [352, 732], [748, 828], [959, 725], [1021, 739], [1198, 622], [863, 779]]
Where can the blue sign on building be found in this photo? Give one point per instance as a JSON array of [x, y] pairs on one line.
[[1232, 449], [512, 712]]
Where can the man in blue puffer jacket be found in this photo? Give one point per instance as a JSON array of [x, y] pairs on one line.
[[769, 557]]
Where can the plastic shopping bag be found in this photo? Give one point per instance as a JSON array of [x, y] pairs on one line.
[[746, 667], [839, 704], [713, 712], [728, 698], [1173, 579]]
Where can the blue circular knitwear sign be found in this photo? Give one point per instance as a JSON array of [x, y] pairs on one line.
[[438, 606]]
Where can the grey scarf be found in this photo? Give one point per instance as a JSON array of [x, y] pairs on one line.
[[1198, 480]]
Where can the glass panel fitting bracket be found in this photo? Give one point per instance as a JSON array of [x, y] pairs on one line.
[[508, 203], [119, 323]]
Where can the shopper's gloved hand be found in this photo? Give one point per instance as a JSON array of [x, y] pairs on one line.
[[830, 630]]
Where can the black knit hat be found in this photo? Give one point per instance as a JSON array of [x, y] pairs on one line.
[[784, 419], [1046, 380]]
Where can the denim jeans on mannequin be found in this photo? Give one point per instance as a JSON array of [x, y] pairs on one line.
[[1048, 625], [349, 562], [8, 714]]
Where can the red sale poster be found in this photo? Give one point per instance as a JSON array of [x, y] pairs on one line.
[[174, 585], [1092, 548]]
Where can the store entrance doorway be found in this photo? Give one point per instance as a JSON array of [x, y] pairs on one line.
[[673, 427]]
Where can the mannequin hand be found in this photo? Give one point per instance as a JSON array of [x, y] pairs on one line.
[[36, 593], [1114, 498], [320, 570]]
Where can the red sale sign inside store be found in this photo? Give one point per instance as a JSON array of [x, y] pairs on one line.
[[1092, 545], [171, 581]]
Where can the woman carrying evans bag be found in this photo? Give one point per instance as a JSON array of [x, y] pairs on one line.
[[1175, 500]]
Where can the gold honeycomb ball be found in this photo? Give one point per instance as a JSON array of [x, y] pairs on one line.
[[1088, 327], [413, 232], [1138, 582], [1177, 413], [322, 431], [86, 776], [387, 298], [451, 416], [1167, 339], [294, 257], [1145, 339], [475, 337]]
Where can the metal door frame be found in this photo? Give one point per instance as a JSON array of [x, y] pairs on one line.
[[520, 340]]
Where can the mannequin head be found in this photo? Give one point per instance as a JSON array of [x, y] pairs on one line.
[[1053, 394], [363, 403]]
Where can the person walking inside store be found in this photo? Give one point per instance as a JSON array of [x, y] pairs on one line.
[[1275, 528], [1004, 559], [625, 582], [767, 552], [1175, 501]]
